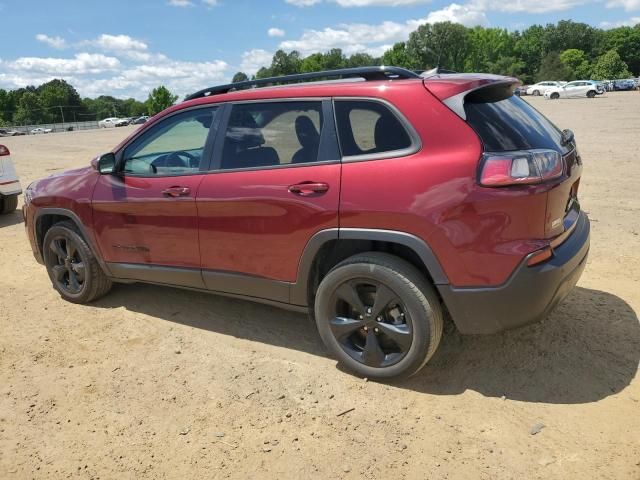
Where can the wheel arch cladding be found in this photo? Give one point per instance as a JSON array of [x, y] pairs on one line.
[[329, 247]]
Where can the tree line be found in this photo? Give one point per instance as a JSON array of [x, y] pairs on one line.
[[57, 101], [566, 50]]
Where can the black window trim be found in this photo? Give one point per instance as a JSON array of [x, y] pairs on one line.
[[328, 136], [205, 161], [416, 142]]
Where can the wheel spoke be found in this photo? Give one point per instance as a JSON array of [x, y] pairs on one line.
[[384, 296], [59, 271], [73, 280], [80, 269], [57, 249], [349, 294], [372, 354], [399, 334], [71, 249], [343, 327]]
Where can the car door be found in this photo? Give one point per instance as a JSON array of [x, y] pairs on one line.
[[274, 184], [145, 214]]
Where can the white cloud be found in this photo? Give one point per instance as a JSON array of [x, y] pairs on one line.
[[303, 3], [276, 32], [211, 3], [180, 3], [81, 63], [378, 3], [628, 5], [466, 15], [119, 43], [527, 6], [55, 42], [630, 22], [254, 59], [375, 39]]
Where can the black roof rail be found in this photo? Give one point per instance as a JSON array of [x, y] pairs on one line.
[[367, 73]]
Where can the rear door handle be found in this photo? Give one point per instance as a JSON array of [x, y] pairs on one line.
[[177, 192], [305, 189]]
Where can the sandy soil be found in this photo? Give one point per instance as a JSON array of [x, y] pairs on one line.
[[153, 382]]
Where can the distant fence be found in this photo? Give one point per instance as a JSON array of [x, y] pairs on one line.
[[56, 127]]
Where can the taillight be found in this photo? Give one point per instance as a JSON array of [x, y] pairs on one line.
[[3, 151], [525, 167]]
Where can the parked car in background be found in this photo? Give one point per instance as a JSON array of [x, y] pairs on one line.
[[273, 194], [108, 122], [140, 120], [123, 122], [5, 132], [541, 87], [521, 90], [624, 85], [40, 130], [10, 186], [576, 89]]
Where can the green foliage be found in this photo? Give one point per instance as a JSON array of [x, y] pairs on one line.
[[577, 63], [29, 109], [626, 41], [159, 99], [552, 68], [240, 77], [610, 66], [440, 44], [397, 56]]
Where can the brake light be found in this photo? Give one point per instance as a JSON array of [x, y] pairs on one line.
[[4, 151], [525, 167]]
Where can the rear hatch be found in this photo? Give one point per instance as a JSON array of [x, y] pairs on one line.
[[509, 127]]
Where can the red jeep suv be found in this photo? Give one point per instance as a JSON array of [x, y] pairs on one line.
[[377, 201]]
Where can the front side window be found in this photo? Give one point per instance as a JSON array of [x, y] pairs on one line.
[[272, 134], [174, 146], [367, 128]]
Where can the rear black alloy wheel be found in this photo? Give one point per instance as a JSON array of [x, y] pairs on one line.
[[378, 315], [591, 94], [555, 96], [371, 324], [72, 266]]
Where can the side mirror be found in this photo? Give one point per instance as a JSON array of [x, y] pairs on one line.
[[104, 164]]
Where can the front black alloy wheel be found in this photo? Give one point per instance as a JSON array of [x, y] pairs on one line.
[[67, 264], [378, 315], [72, 266]]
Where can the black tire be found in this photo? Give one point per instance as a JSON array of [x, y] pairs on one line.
[[64, 240], [536, 93], [555, 96], [405, 296], [8, 204], [591, 94]]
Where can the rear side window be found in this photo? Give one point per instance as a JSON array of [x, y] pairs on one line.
[[369, 128], [271, 134], [510, 123]]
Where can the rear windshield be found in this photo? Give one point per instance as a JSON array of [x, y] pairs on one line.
[[510, 124]]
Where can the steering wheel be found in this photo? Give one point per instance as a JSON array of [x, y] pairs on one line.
[[179, 157]]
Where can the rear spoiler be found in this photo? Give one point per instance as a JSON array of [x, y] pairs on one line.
[[453, 90]]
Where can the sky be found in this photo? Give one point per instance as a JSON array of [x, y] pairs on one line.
[[125, 48]]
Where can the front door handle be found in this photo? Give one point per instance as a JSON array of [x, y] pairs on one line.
[[177, 192], [306, 189]]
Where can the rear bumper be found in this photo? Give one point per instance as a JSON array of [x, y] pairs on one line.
[[12, 187], [528, 296]]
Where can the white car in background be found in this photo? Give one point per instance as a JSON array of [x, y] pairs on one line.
[[108, 122], [577, 89], [541, 88], [10, 186], [40, 130]]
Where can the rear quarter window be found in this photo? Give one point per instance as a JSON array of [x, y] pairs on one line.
[[369, 128]]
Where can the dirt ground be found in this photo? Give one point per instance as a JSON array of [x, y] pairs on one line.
[[154, 382]]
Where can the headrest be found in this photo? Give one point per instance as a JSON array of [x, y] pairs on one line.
[[306, 131]]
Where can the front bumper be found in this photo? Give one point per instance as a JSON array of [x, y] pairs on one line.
[[529, 295]]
